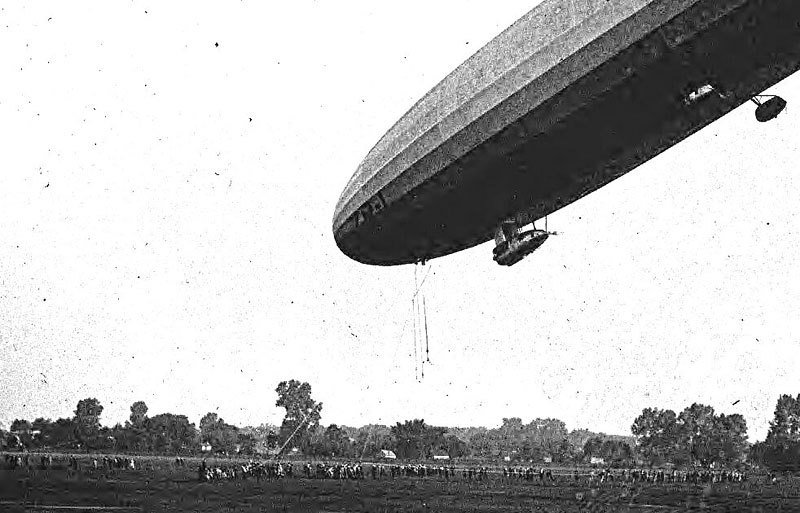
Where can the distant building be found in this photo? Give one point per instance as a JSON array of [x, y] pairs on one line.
[[205, 447], [597, 461], [548, 459], [441, 457], [388, 455]]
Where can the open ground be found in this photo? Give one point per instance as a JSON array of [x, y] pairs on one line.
[[158, 485]]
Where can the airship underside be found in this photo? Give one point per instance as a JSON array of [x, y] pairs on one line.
[[573, 95]]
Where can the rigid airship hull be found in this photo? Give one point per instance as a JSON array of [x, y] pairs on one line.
[[570, 97]]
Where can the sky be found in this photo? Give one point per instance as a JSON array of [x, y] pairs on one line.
[[168, 175]]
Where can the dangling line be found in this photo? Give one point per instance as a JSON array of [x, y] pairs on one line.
[[425, 314], [419, 337], [414, 315]]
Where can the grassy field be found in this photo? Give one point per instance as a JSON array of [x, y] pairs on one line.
[[157, 486]]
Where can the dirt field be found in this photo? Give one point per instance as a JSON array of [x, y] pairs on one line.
[[158, 486]]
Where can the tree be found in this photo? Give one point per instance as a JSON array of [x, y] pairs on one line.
[[302, 412], [415, 440], [511, 435], [656, 432], [41, 431], [138, 414], [272, 440], [371, 439], [547, 435], [565, 452], [454, 446], [208, 423], [697, 424], [484, 443], [21, 433], [593, 448], [222, 437], [247, 443], [263, 438], [87, 422], [171, 434], [729, 439], [696, 436], [63, 434], [20, 426], [612, 451], [334, 442], [785, 425], [781, 450]]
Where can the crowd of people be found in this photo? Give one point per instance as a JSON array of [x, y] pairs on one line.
[[45, 461], [259, 470], [541, 475], [250, 470], [631, 475]]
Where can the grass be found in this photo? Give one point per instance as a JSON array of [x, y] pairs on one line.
[[156, 485]]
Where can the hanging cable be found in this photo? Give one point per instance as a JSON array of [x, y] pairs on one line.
[[414, 315], [417, 289], [420, 335], [427, 346]]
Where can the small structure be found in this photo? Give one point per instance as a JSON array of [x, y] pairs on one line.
[[548, 459], [441, 457], [205, 447], [595, 460], [388, 455]]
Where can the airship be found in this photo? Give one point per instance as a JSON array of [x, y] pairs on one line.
[[573, 95]]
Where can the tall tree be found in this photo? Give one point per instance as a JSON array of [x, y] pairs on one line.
[[656, 432], [208, 423], [697, 424], [781, 450], [511, 435], [785, 425], [138, 414], [87, 422], [547, 434], [729, 438], [302, 412]]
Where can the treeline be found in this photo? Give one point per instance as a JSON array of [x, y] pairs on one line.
[[301, 432], [695, 436], [514, 441]]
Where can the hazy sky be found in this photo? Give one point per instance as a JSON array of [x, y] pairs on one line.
[[165, 233]]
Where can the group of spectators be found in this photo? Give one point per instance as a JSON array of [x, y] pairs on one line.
[[356, 470], [257, 470], [45, 461]]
